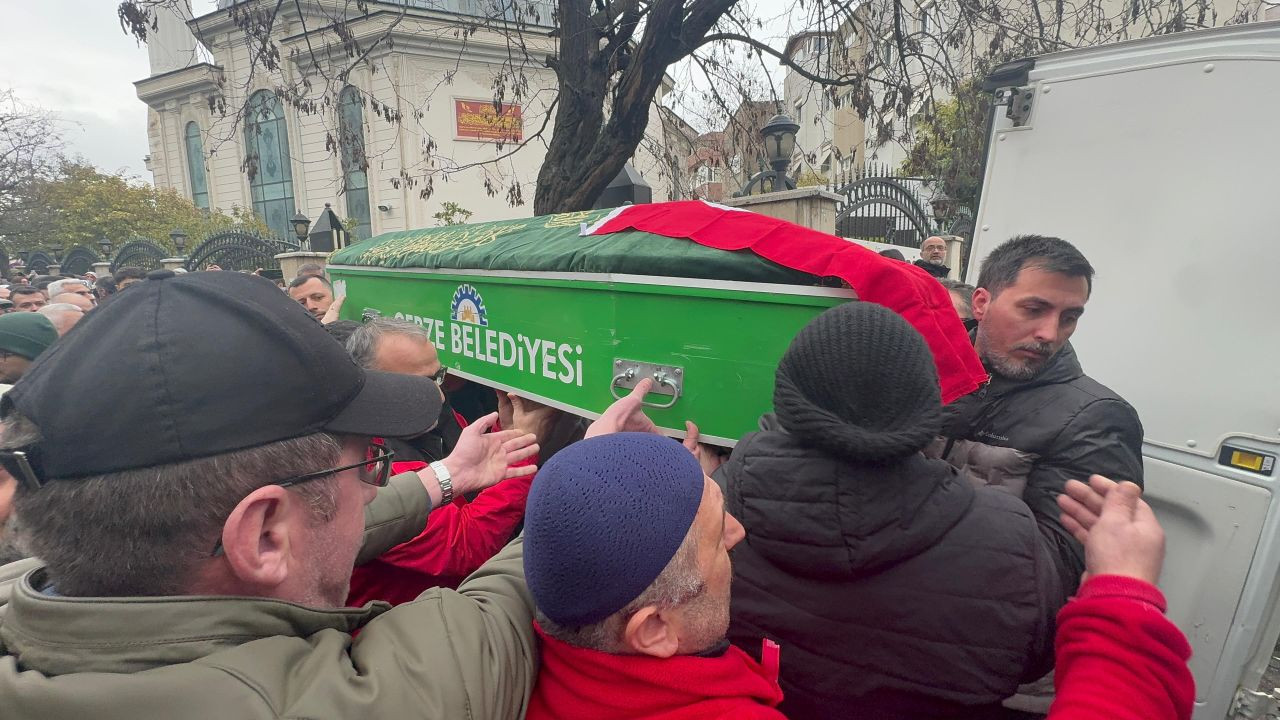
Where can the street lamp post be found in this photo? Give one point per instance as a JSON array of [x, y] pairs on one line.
[[179, 239], [105, 245], [943, 207], [779, 144], [301, 225], [57, 252]]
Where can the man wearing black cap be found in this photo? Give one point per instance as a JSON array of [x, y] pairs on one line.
[[198, 518]]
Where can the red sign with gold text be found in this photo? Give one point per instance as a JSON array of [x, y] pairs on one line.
[[479, 120]]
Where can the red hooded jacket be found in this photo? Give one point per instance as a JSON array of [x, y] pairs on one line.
[[1119, 657], [579, 684], [456, 541]]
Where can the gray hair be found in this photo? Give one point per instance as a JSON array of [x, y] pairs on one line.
[[58, 287], [60, 315], [363, 343], [145, 531], [679, 582]]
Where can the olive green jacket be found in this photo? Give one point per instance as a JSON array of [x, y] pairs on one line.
[[468, 653]]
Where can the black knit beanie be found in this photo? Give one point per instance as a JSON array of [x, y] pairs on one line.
[[859, 382]]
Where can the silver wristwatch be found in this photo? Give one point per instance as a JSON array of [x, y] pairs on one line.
[[446, 482]]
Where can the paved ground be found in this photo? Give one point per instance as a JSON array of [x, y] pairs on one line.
[[1271, 677]]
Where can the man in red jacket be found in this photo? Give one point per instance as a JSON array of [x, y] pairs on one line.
[[463, 535], [1118, 657], [627, 557]]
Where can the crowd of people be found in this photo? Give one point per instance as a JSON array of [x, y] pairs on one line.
[[220, 500]]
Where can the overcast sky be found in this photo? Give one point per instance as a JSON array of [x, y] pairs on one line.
[[71, 57]]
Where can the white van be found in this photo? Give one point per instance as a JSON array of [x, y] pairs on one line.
[[1160, 160]]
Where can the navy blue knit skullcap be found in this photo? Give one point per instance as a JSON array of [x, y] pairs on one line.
[[604, 517]]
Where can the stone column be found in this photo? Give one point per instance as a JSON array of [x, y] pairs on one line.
[[291, 261], [173, 263], [55, 269], [811, 207], [102, 269], [955, 254]]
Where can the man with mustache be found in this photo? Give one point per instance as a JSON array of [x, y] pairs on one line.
[[1030, 296]]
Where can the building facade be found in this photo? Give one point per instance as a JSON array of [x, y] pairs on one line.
[[401, 130], [830, 142]]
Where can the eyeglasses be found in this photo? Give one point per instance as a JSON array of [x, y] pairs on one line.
[[438, 376], [26, 466], [375, 470]]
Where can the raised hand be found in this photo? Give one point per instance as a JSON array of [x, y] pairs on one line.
[[533, 417], [626, 415], [1120, 532], [1081, 504], [708, 458], [334, 310], [481, 458]]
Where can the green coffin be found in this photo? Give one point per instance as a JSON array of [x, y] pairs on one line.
[[571, 321]]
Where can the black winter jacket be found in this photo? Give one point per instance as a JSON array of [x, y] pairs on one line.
[[1074, 426], [896, 592], [938, 271]]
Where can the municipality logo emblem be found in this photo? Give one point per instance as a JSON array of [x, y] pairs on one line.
[[468, 306]]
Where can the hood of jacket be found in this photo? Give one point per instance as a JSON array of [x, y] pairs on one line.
[[579, 684], [820, 516]]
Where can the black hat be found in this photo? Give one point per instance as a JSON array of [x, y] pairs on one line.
[[206, 363], [860, 382]]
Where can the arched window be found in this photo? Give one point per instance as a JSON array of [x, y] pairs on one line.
[[195, 167], [354, 163], [267, 157]]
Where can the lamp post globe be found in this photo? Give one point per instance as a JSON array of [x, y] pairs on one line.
[[780, 140], [179, 239], [56, 250], [105, 245], [301, 224]]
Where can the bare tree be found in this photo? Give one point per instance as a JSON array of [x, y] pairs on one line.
[[893, 59], [31, 150]]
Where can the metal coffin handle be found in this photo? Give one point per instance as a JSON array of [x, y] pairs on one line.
[[668, 379]]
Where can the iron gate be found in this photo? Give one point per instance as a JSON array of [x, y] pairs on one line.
[[884, 209], [139, 253]]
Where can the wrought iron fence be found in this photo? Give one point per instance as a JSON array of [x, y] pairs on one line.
[[238, 249], [79, 260], [139, 253]]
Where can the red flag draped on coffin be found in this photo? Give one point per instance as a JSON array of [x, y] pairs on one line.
[[901, 287]]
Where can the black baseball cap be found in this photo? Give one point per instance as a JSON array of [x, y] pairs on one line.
[[201, 364]]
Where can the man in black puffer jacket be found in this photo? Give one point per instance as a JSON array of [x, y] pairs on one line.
[[1030, 295], [897, 590]]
